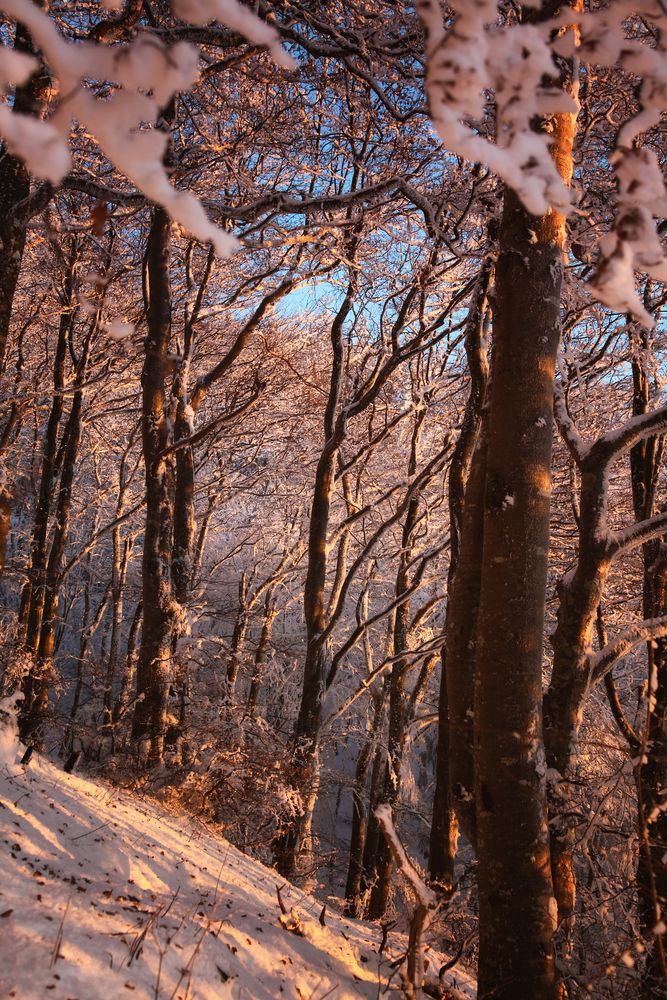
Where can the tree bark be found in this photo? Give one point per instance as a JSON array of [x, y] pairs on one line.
[[517, 908], [453, 802], [34, 592], [154, 661]]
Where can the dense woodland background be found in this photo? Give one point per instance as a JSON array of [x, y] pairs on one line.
[[247, 502]]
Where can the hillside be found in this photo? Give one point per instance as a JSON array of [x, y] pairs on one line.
[[105, 894]]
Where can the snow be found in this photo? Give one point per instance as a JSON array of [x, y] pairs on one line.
[[105, 893], [237, 17], [117, 329]]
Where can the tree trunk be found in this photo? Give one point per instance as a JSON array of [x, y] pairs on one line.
[[453, 801], [355, 871], [579, 597], [316, 666], [127, 682], [517, 908], [154, 661], [36, 714], [399, 702], [651, 773], [239, 634], [29, 99], [651, 787], [5, 525], [261, 653], [444, 825], [120, 558], [34, 592]]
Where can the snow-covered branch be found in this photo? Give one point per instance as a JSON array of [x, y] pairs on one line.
[[145, 74], [637, 534], [479, 52], [619, 439], [424, 895], [604, 660], [576, 445]]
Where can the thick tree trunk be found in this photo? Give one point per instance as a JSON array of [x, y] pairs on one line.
[[517, 908], [518, 911], [154, 661]]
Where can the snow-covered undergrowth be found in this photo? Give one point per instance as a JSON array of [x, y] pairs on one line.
[[106, 895]]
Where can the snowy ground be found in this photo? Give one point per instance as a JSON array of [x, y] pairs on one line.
[[104, 895]]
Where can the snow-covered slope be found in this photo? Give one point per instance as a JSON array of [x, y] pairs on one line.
[[103, 895]]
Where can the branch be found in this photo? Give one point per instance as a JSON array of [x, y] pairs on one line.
[[425, 896], [609, 445], [251, 324], [612, 694], [637, 534], [398, 601], [114, 28], [602, 662], [576, 445], [214, 425], [419, 482]]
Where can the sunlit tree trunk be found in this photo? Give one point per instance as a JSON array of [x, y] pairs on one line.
[[155, 652], [517, 908], [645, 462], [517, 905]]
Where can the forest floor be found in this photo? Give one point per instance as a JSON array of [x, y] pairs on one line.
[[104, 894]]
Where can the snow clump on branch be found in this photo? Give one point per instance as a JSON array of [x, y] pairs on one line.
[[475, 56]]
